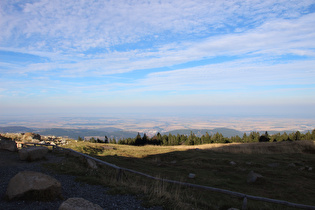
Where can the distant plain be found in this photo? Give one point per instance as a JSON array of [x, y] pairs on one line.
[[152, 124]]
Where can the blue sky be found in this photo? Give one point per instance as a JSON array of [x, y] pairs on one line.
[[215, 56]]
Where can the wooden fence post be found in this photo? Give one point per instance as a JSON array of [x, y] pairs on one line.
[[244, 206], [118, 177]]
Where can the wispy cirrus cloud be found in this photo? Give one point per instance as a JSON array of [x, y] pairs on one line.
[[76, 26], [280, 37], [235, 74]]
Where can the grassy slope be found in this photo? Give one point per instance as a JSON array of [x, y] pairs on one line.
[[211, 164]]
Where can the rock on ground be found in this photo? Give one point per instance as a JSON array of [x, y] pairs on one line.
[[8, 145], [10, 165], [191, 175], [31, 136], [232, 163], [30, 185], [33, 153], [79, 204], [91, 163], [252, 177]]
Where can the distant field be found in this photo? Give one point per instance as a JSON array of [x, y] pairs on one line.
[[287, 169], [163, 124]]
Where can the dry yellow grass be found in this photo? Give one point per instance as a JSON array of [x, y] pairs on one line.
[[244, 148], [268, 147], [138, 151]]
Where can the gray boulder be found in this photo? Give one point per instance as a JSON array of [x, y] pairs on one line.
[[253, 177], [191, 175], [291, 165], [30, 185], [273, 165], [33, 153], [232, 163], [91, 163], [8, 145], [31, 137], [79, 204]]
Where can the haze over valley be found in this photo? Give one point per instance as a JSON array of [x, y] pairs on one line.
[[150, 126]]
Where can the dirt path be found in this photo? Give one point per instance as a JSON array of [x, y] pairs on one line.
[[10, 165], [8, 159]]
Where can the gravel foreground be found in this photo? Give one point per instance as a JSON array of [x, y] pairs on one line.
[[10, 165]]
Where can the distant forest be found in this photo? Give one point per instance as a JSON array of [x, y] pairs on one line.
[[192, 139]]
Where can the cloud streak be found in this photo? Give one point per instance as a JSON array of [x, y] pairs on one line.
[[279, 37], [80, 25]]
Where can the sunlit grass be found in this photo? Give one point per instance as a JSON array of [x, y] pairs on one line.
[[144, 151]]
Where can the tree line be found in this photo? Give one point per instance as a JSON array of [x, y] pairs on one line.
[[192, 139]]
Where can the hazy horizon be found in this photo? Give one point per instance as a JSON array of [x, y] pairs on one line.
[[215, 59], [162, 123]]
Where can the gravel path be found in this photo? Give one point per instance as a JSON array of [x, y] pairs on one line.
[[10, 165]]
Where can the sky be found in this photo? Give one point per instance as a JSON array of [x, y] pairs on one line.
[[231, 57]]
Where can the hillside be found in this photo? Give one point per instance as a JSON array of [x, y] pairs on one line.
[[117, 133], [75, 133], [72, 133], [112, 132], [15, 129], [285, 167]]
